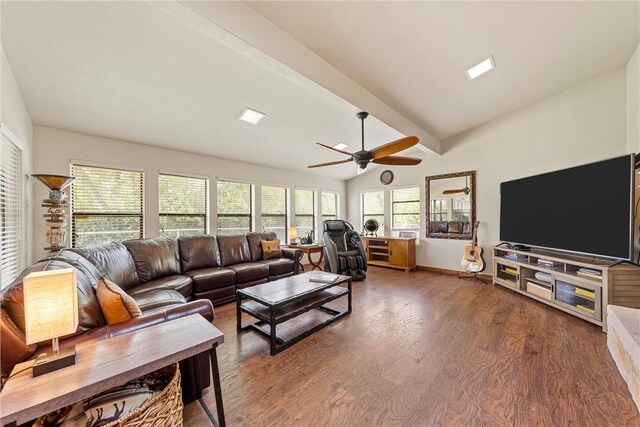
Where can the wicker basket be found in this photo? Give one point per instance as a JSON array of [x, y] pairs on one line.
[[164, 409]]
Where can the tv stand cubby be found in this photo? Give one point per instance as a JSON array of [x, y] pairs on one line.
[[564, 286]]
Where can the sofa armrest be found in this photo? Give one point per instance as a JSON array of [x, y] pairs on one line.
[[202, 307], [294, 254]]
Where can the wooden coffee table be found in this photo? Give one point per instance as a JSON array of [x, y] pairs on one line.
[[292, 308]]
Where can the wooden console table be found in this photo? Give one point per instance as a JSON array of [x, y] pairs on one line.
[[101, 365], [392, 252]]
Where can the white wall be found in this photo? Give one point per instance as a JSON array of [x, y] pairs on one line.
[[14, 116], [584, 124], [54, 149], [633, 124]]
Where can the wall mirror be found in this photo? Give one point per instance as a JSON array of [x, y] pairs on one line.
[[451, 205]]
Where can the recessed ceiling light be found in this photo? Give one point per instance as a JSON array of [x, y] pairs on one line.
[[340, 146], [251, 116], [481, 68]]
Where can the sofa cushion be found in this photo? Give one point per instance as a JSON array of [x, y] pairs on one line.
[[114, 261], [12, 344], [115, 304], [87, 276], [155, 258], [250, 271], [279, 266], [155, 299], [198, 252], [207, 279], [233, 250], [181, 284], [255, 248]]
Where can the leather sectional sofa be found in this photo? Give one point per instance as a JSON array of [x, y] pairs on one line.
[[168, 277]]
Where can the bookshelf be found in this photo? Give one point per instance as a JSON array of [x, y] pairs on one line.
[[392, 252], [563, 284]]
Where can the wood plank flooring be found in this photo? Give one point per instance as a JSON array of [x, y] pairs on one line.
[[425, 349]]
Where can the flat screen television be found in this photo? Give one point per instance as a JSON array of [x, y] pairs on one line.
[[586, 209]]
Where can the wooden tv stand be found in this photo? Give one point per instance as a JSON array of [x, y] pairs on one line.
[[567, 290], [392, 252]]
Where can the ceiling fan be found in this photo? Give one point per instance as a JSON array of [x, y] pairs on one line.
[[466, 190], [381, 155]]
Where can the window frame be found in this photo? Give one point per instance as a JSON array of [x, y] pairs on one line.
[[393, 203], [337, 201], [314, 215], [207, 205], [287, 204], [252, 206], [126, 168], [17, 263], [363, 213]]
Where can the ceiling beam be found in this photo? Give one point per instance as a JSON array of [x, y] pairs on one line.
[[243, 29]]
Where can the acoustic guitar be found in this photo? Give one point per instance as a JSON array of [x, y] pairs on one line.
[[472, 260]]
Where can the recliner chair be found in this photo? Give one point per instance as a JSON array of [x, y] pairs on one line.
[[344, 253]]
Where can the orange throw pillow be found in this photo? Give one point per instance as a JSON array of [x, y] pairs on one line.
[[271, 249], [115, 304]]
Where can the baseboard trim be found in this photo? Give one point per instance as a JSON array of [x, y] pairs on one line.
[[487, 277]]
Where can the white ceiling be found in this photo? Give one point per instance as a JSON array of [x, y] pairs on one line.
[[177, 75], [128, 70], [413, 55]]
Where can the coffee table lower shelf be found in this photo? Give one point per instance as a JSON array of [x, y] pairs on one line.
[[287, 323]]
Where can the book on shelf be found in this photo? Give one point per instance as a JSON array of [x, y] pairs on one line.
[[589, 275], [510, 270], [514, 256], [585, 308], [320, 277], [549, 264], [585, 293]]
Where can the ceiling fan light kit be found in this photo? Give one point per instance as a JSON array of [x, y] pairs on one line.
[[380, 155]]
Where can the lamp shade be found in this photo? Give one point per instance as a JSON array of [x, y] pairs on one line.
[[50, 304], [54, 182], [293, 233]]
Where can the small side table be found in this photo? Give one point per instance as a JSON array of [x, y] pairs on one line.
[[101, 365], [311, 249]]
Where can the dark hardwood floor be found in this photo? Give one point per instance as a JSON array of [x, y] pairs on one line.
[[425, 349]]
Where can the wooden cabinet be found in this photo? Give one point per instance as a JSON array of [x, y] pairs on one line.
[[393, 252], [566, 282]]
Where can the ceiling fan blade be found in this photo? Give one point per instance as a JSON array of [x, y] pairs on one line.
[[337, 162], [394, 147], [448, 192], [335, 149], [398, 160]]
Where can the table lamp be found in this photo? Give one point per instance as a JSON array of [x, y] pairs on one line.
[[293, 235], [51, 311]]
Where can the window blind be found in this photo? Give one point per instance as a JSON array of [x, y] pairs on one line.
[[10, 211], [329, 205], [106, 205], [182, 204], [305, 211], [235, 207], [405, 208], [274, 211], [373, 207]]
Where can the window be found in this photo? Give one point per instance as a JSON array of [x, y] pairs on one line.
[[106, 205], [10, 211], [329, 205], [461, 209], [182, 205], [439, 210], [305, 209], [373, 207], [405, 208], [235, 207], [274, 211]]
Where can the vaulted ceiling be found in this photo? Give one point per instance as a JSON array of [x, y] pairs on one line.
[[177, 74]]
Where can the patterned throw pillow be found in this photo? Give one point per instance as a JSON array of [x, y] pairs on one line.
[[271, 249], [116, 305]]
